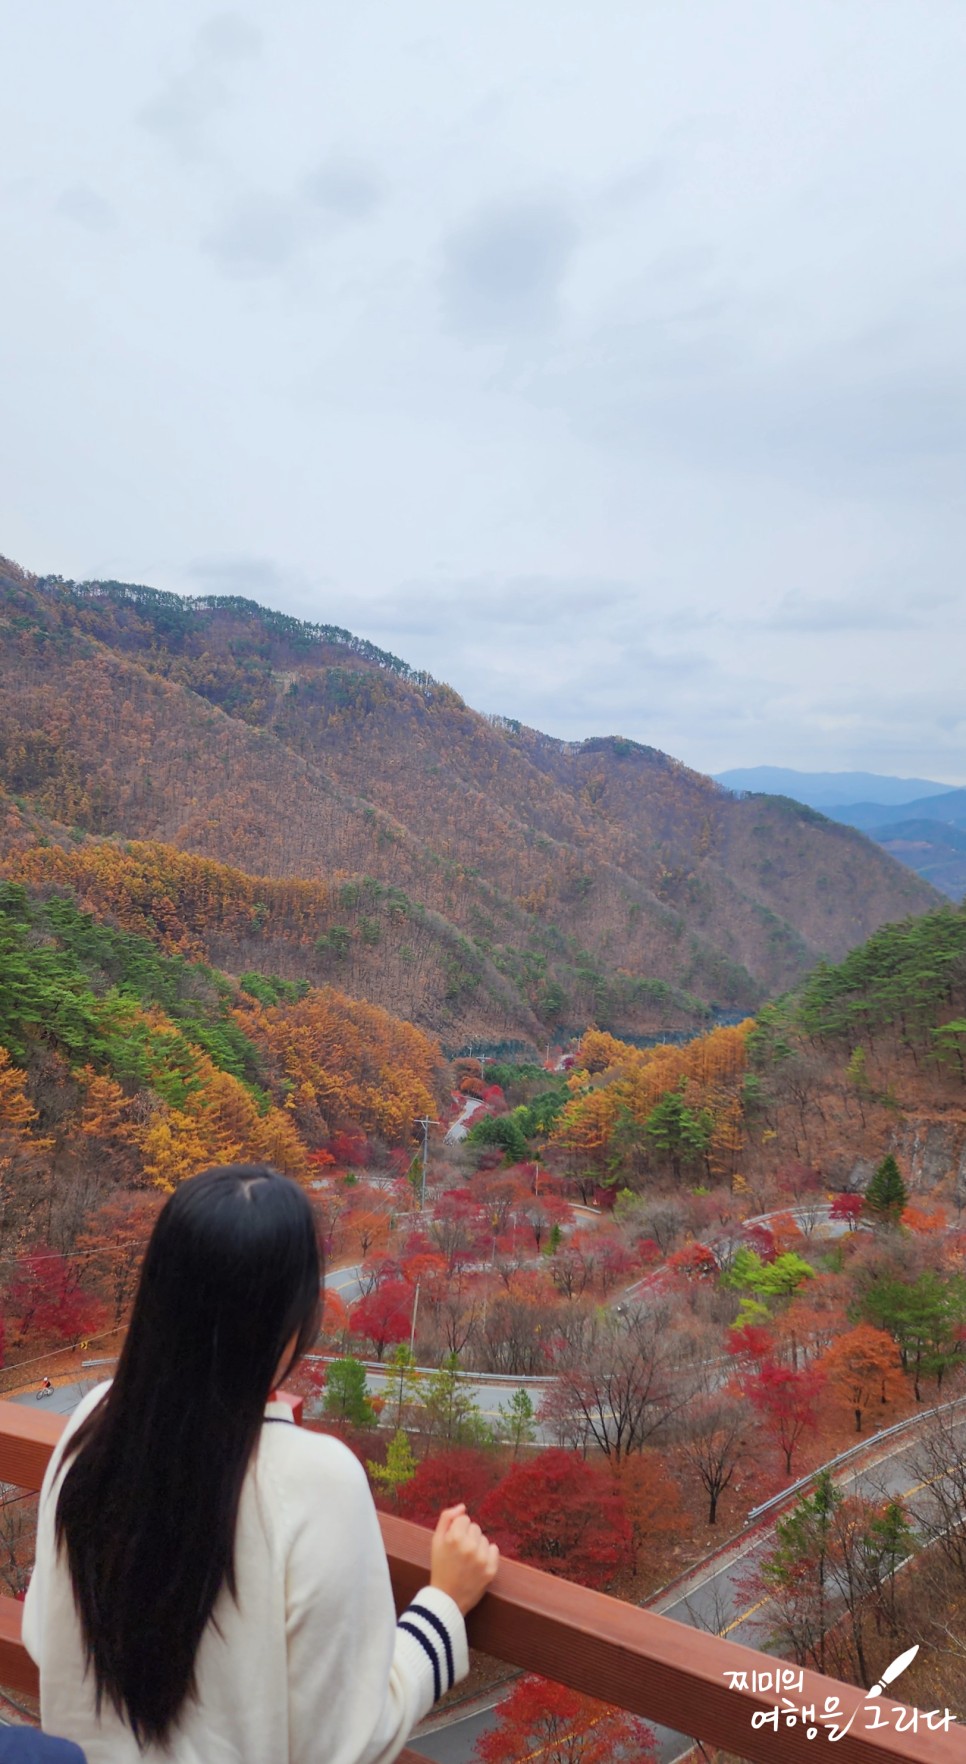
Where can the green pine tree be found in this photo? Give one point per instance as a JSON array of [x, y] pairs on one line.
[[886, 1197], [403, 1380], [800, 1572], [347, 1394], [399, 1468], [677, 1133], [518, 1420], [449, 1413]]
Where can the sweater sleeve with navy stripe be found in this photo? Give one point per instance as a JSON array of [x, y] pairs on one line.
[[364, 1677]]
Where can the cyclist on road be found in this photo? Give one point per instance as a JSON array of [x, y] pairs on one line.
[[45, 1388]]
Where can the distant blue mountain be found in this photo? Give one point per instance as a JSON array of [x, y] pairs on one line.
[[831, 790], [934, 849], [926, 831], [874, 817]]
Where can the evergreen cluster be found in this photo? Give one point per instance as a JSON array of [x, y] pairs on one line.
[[905, 976], [176, 618], [71, 982]]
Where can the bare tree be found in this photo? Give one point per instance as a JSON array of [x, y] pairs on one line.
[[939, 1467], [625, 1373], [18, 1536], [715, 1440], [664, 1219]]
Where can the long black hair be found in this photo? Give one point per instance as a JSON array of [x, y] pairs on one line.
[[148, 1508]]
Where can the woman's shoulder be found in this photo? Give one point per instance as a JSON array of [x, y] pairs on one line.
[[306, 1459], [88, 1403], [314, 1486]]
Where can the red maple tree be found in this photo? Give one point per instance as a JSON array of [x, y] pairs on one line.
[[847, 1209], [787, 1402], [384, 1315], [440, 1481], [560, 1726], [562, 1514], [45, 1302]]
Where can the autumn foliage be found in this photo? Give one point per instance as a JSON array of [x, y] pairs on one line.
[[562, 1514], [862, 1370], [457, 1474], [540, 1719]]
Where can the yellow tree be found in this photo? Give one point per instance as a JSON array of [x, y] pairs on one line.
[[109, 1131], [274, 1140], [173, 1147], [226, 1118], [16, 1108]]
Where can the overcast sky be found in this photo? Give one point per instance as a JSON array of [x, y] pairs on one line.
[[607, 359]]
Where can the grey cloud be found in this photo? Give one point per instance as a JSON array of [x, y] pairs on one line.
[[592, 656], [346, 188], [635, 186], [86, 207], [646, 695], [261, 231], [419, 607], [258, 235], [503, 268], [690, 379], [800, 612], [179, 110], [229, 36], [251, 576], [187, 101], [576, 655]]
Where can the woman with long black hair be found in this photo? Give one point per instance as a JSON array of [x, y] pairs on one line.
[[210, 1584]]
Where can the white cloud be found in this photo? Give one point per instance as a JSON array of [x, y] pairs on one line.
[[608, 362]]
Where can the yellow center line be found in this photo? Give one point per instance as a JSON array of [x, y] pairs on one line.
[[745, 1614]]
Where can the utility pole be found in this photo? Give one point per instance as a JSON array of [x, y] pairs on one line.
[[425, 1123], [412, 1336], [482, 1059]]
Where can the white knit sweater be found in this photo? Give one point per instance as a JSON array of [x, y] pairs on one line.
[[309, 1666]]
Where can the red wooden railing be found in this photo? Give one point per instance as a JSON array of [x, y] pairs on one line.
[[649, 1665]]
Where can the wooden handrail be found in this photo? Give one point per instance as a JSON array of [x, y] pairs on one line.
[[638, 1661]]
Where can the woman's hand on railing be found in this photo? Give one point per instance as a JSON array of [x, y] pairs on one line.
[[462, 1560]]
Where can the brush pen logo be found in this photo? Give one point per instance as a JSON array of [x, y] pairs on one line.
[[893, 1670]]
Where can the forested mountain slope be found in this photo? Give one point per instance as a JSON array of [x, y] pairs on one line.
[[125, 1066], [371, 939], [867, 1058], [592, 877]]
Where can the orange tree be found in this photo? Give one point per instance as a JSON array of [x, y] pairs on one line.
[[861, 1368]]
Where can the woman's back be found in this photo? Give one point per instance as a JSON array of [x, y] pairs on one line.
[[300, 1666], [210, 1584]]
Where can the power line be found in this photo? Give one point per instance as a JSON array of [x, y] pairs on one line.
[[54, 1353], [107, 1249]]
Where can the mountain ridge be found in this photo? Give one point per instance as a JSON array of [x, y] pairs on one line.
[[586, 873], [826, 790], [949, 808]]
